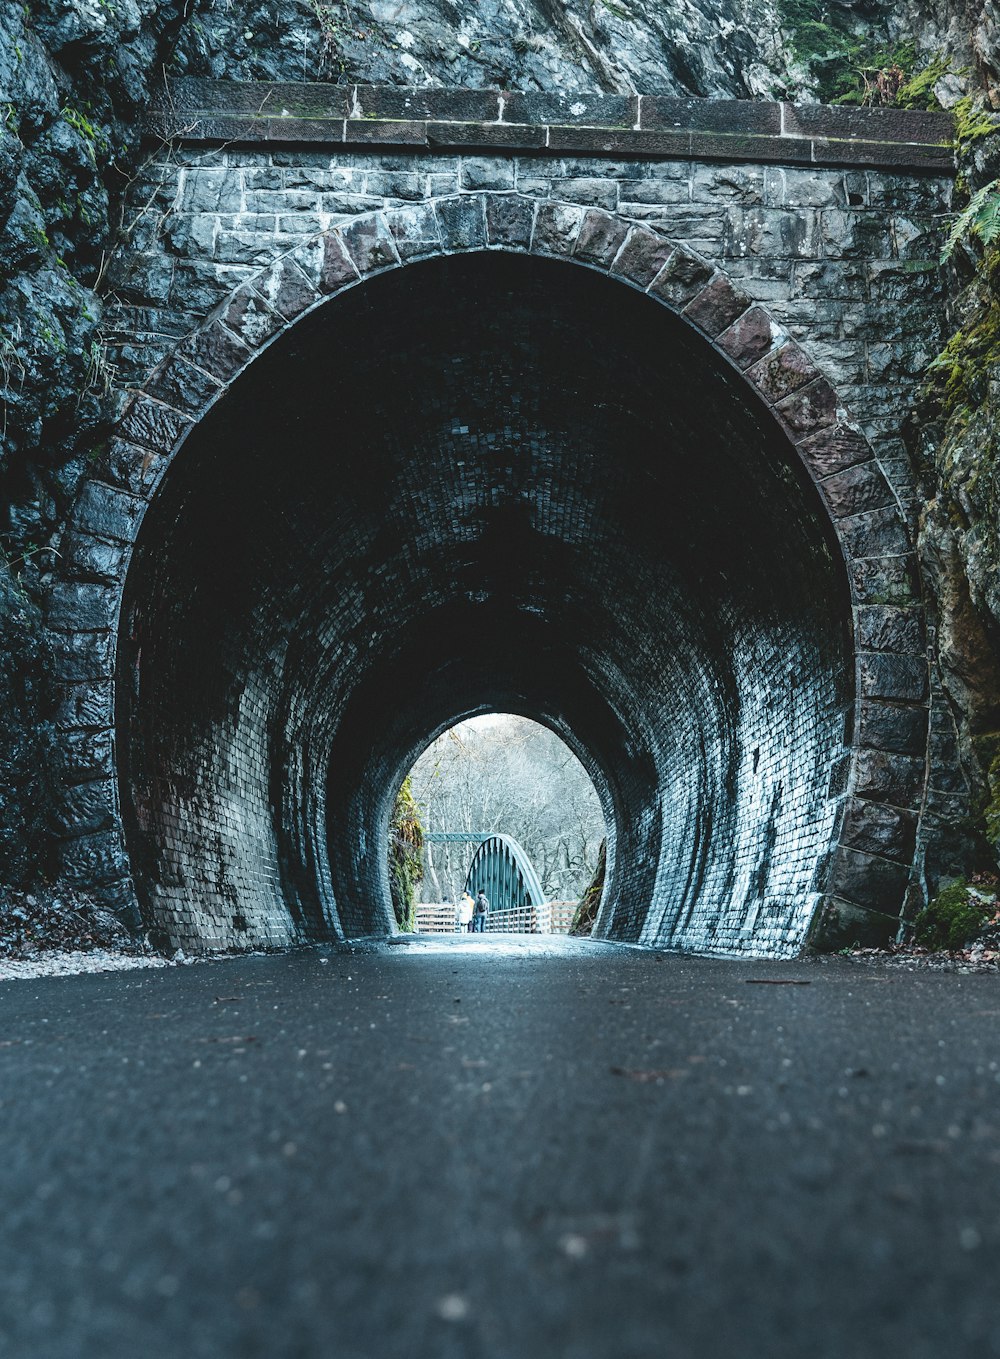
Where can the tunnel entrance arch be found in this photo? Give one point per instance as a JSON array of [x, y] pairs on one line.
[[784, 799]]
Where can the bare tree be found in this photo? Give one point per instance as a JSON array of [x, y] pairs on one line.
[[508, 775]]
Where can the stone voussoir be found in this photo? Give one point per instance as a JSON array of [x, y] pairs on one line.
[[642, 256]]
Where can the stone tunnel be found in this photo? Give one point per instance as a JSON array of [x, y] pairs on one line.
[[557, 465]]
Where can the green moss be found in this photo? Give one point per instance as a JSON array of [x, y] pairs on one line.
[[406, 843], [953, 918], [959, 376], [972, 123], [852, 64], [93, 136], [917, 91]]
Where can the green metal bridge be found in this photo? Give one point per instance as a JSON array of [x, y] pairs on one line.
[[500, 867]]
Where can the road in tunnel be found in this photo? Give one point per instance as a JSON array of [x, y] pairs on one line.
[[483, 483], [480, 1149]]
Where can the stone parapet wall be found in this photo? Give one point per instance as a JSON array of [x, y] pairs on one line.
[[733, 130]]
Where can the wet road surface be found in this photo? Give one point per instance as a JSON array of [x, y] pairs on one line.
[[489, 1147]]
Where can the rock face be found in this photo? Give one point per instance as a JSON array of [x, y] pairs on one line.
[[72, 77], [699, 47]]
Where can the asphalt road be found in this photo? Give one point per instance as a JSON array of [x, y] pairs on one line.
[[472, 1149]]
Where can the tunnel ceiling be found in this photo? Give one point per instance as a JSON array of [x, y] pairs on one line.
[[482, 482]]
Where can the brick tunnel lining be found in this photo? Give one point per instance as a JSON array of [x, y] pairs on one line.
[[482, 482]]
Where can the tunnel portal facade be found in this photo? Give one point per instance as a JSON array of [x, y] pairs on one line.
[[612, 443]]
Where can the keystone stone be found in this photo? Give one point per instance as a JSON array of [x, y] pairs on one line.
[[462, 222], [415, 231], [556, 228], [509, 220]]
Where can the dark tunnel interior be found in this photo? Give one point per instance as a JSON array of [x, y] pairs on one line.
[[480, 483]]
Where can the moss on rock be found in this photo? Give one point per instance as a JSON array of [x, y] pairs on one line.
[[406, 856], [953, 918]]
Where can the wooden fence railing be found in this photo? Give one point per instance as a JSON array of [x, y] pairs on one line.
[[552, 917]]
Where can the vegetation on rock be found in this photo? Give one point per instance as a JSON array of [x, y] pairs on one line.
[[954, 917], [406, 855], [586, 912], [852, 61]]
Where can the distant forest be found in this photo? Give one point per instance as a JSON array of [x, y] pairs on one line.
[[510, 775]]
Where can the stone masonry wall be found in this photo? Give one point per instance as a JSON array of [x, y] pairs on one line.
[[841, 261]]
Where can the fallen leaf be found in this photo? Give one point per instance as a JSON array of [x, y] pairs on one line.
[[646, 1077]]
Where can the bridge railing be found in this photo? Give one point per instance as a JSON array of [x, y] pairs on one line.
[[519, 920], [552, 917], [435, 918]]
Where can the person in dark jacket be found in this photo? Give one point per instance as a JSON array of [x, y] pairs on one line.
[[481, 912]]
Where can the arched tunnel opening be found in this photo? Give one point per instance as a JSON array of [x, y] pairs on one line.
[[485, 482], [497, 775]]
